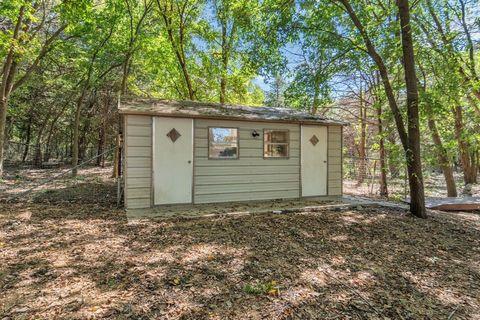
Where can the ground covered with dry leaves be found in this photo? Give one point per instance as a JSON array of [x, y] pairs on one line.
[[70, 254]]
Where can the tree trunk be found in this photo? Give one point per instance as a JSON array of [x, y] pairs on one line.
[[27, 140], [392, 165], [223, 76], [76, 127], [188, 81], [225, 51], [126, 71], [223, 87], [178, 47], [38, 145], [83, 141], [463, 146], [475, 167], [316, 93], [3, 124], [444, 162], [411, 144], [383, 167], [362, 170], [100, 161], [414, 164], [8, 75], [48, 148], [50, 133], [100, 147]]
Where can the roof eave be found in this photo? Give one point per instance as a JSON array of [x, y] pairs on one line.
[[232, 118]]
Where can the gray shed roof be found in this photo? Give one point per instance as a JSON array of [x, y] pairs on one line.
[[210, 110]]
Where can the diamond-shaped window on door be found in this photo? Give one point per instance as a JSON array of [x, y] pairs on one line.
[[173, 134], [314, 140]]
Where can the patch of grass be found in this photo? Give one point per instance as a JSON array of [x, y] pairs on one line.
[[269, 288], [396, 197]]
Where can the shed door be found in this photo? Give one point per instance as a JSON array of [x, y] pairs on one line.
[[172, 160], [314, 160]]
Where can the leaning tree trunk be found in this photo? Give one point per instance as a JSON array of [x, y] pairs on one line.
[[442, 155], [414, 163]]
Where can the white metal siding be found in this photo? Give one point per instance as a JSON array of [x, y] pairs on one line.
[[138, 161], [251, 177], [334, 160]]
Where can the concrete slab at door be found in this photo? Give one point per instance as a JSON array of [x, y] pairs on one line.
[[172, 160], [314, 160]]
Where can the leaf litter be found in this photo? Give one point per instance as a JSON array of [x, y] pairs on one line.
[[70, 254]]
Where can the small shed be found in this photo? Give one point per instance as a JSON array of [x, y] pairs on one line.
[[195, 152]]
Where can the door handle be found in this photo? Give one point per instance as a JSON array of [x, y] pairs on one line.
[[324, 161], [189, 161]]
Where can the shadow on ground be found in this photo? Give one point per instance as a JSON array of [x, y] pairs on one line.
[[80, 258], [85, 193], [327, 265]]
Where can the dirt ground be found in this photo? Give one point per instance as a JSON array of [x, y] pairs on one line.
[[68, 253]]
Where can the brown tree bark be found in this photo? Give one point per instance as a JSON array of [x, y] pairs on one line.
[[85, 85], [10, 80], [76, 127], [28, 138], [468, 166], [8, 75], [383, 167], [225, 51], [414, 162], [454, 56], [442, 155], [441, 152], [135, 29], [37, 161], [51, 131], [316, 93], [362, 169], [226, 44], [102, 132], [411, 144], [166, 11], [382, 69]]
